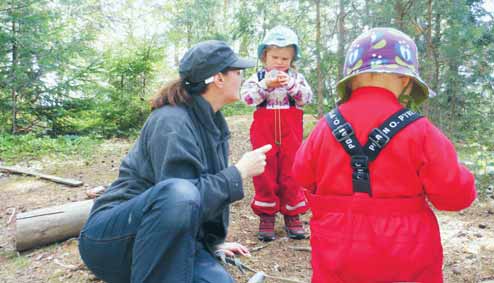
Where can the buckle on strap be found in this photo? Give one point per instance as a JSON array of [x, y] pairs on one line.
[[343, 132], [360, 166], [360, 176], [378, 137], [360, 162]]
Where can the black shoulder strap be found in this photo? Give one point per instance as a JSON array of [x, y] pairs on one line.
[[343, 132], [379, 137], [261, 74]]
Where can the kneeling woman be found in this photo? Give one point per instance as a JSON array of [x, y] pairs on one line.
[[168, 210]]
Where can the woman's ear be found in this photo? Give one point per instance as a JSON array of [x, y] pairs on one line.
[[219, 80]]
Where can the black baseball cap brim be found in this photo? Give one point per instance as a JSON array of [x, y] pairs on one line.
[[242, 63]]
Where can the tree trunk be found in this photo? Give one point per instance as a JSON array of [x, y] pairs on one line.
[[453, 78], [429, 52], [176, 56], [369, 19], [401, 9], [437, 42], [320, 97], [225, 13], [13, 74], [399, 14], [244, 39], [52, 224], [341, 38], [189, 33]]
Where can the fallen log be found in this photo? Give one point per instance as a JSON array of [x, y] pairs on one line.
[[52, 224], [24, 171]]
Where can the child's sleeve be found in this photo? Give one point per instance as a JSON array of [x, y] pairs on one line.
[[448, 184], [253, 91], [299, 89]]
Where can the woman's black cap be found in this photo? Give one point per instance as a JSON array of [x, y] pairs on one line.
[[208, 58]]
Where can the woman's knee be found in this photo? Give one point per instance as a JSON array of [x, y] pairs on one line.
[[177, 203], [176, 191]]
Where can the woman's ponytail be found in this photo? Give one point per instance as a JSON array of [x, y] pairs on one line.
[[172, 93]]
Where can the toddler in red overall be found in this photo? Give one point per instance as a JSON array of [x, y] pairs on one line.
[[278, 92], [369, 167]]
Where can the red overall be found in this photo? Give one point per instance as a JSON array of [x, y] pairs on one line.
[[392, 236], [275, 189]]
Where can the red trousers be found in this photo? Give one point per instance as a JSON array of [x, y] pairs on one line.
[[358, 239], [275, 189]]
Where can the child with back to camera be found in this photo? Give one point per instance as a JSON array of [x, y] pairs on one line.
[[369, 167]]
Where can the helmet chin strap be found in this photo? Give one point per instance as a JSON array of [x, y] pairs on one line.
[[405, 100]]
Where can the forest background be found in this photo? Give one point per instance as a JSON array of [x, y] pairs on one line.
[[76, 72]]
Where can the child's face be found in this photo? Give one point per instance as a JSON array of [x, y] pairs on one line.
[[279, 58]]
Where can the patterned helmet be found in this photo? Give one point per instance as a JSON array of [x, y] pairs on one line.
[[280, 36], [384, 50]]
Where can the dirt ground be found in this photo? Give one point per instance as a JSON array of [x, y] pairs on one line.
[[468, 236]]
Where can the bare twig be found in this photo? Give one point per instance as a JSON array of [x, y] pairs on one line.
[[68, 266], [305, 249], [26, 171], [258, 248], [241, 265], [12, 215]]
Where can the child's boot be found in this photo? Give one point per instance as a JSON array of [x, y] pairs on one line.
[[294, 228], [266, 228]]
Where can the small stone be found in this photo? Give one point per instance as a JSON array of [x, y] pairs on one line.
[[478, 235], [482, 226], [456, 270]]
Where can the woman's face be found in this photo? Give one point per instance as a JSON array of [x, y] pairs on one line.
[[233, 79], [279, 58]]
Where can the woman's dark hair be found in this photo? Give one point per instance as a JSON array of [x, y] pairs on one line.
[[179, 91]]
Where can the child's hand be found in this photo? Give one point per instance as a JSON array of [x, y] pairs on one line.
[[276, 79], [283, 78]]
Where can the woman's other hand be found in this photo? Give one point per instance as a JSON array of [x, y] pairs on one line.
[[231, 249]]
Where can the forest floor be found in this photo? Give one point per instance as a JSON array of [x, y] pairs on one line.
[[468, 236]]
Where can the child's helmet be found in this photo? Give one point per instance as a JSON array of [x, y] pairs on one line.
[[280, 36], [384, 50]]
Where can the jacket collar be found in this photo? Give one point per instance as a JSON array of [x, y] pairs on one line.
[[212, 122]]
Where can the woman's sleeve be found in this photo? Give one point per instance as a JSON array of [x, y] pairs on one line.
[[448, 184], [253, 92], [175, 153], [299, 89]]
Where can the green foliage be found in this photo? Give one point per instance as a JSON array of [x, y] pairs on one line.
[[237, 108], [48, 61], [26, 147], [121, 107], [308, 127]]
